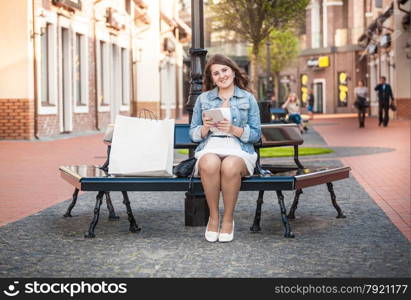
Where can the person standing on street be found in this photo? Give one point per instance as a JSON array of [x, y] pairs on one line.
[[361, 102], [310, 106], [384, 93]]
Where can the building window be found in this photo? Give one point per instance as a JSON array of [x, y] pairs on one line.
[[125, 77], [80, 70], [342, 89], [47, 66], [345, 14], [378, 3], [102, 64], [304, 88], [115, 75], [316, 23]]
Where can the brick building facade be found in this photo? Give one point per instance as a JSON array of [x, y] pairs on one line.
[[328, 61], [74, 65], [386, 43], [332, 60]]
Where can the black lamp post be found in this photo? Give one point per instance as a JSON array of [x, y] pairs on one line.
[[197, 53], [265, 105], [269, 76], [196, 208]]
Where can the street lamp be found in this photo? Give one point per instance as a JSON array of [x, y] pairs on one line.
[[195, 204], [264, 105], [197, 53], [269, 77]]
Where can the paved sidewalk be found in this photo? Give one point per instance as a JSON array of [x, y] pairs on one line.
[[32, 183], [30, 180], [385, 176], [41, 243]]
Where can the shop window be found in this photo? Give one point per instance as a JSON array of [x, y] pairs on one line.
[[342, 89], [125, 77], [47, 66], [378, 3], [80, 70], [102, 74]]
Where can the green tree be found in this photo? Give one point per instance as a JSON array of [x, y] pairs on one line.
[[283, 51], [255, 20]]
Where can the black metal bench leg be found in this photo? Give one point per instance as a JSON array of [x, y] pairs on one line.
[[257, 218], [287, 228], [133, 225], [334, 201], [99, 200], [72, 204], [291, 214], [296, 160], [111, 213]]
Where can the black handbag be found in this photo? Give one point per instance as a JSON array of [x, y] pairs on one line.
[[185, 168], [393, 106]]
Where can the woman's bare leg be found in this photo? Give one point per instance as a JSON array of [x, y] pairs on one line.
[[232, 169], [209, 169]]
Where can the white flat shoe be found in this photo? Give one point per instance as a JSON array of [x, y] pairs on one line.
[[211, 236], [226, 237]]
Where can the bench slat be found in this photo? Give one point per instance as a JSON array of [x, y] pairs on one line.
[[180, 184], [91, 178], [273, 135]]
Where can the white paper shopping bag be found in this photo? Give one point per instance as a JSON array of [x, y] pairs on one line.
[[142, 147]]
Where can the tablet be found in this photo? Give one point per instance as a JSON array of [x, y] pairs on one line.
[[215, 114]]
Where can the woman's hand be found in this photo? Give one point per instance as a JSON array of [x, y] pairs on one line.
[[225, 126], [207, 122]]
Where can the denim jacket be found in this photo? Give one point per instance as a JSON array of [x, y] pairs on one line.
[[244, 113]]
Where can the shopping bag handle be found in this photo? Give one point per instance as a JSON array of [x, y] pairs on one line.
[[148, 112]]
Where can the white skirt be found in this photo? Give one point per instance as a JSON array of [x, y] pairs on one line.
[[224, 147]]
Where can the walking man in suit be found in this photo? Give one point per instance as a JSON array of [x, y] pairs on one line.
[[384, 93]]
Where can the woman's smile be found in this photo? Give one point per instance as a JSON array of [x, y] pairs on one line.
[[223, 76]]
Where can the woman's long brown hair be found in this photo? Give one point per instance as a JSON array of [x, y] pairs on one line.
[[240, 79]]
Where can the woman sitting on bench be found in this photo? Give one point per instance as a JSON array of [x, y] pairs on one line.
[[292, 105], [226, 152]]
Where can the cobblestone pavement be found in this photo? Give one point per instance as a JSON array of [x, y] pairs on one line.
[[385, 176], [365, 244]]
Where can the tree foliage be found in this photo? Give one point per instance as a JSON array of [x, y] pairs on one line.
[[283, 51], [254, 20]]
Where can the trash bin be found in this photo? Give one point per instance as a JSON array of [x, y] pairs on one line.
[[265, 114]]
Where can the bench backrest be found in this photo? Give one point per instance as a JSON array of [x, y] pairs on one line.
[[273, 135]]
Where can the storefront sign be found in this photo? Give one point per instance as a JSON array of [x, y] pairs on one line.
[[312, 62], [323, 62], [70, 4], [304, 88], [319, 62], [342, 89]]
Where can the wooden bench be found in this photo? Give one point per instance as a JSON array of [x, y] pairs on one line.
[[279, 178]]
